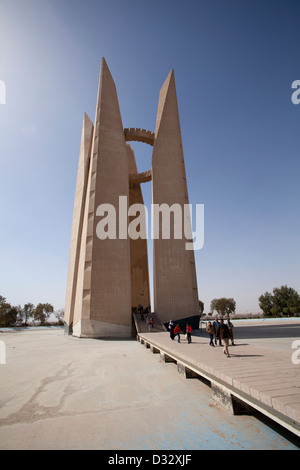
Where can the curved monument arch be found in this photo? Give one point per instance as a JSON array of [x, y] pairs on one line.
[[139, 135], [147, 137]]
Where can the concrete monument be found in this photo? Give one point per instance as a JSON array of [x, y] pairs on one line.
[[108, 277]]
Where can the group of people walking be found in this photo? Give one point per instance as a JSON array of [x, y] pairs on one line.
[[146, 315], [176, 330], [219, 331]]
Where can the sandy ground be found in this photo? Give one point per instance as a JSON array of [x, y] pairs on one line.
[[61, 392]]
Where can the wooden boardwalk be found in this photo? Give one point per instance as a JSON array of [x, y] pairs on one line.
[[255, 377]]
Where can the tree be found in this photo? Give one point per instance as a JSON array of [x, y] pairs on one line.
[[201, 307], [223, 306], [28, 310], [284, 300], [266, 303], [60, 316], [8, 314], [42, 312]]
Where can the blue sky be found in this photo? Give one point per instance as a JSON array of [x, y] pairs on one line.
[[234, 63]]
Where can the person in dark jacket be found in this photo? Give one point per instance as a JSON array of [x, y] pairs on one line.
[[230, 326], [216, 325], [224, 334], [171, 328]]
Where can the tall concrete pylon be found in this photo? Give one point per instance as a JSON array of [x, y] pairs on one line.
[[78, 216], [103, 291], [140, 288], [108, 277], [175, 282]]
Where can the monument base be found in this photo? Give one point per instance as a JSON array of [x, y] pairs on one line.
[[99, 329], [68, 328]]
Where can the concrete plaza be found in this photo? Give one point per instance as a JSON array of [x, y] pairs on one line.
[[61, 392]]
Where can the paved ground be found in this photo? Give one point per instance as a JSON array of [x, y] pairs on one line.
[[262, 364], [60, 392]]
